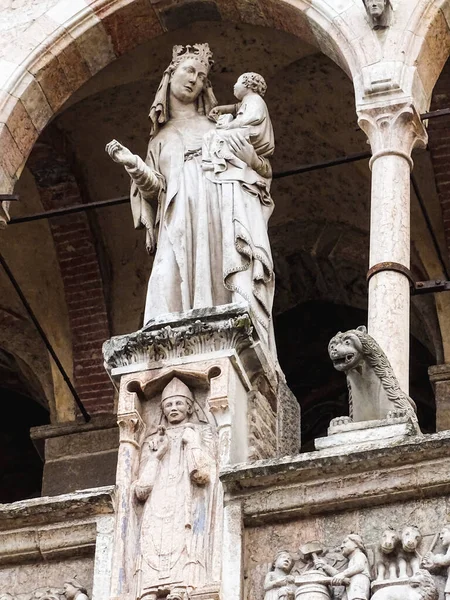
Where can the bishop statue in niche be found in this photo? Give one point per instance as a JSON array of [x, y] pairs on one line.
[[177, 484]]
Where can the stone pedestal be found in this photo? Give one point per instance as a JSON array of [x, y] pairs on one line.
[[440, 380], [229, 386], [367, 434]]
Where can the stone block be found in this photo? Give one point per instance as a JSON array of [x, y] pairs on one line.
[[46, 541], [440, 380], [78, 456], [362, 433]]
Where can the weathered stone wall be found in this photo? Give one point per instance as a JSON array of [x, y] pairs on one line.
[[46, 542], [262, 427]]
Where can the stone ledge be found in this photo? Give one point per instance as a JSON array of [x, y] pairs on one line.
[[337, 479], [44, 432], [439, 373], [50, 510]]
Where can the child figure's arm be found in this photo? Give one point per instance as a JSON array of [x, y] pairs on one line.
[[226, 109]]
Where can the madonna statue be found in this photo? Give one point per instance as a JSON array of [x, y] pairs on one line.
[[210, 230]]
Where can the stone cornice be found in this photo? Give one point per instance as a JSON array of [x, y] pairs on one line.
[[326, 481], [51, 510]]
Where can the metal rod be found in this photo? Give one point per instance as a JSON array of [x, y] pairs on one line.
[[44, 337], [443, 112], [8, 197], [343, 160], [69, 210], [59, 212], [428, 223]]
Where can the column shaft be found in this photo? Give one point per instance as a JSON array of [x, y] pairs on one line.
[[389, 291]]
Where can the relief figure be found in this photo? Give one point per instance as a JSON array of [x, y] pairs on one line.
[[356, 576], [176, 483], [435, 562], [279, 583]]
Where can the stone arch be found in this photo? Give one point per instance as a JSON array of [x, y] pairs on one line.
[[68, 46], [428, 48]]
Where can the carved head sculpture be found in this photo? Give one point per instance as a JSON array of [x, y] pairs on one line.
[[444, 535], [187, 74], [424, 583], [177, 402], [389, 540], [411, 538], [346, 350], [351, 543], [283, 561], [72, 589], [250, 81], [379, 12]]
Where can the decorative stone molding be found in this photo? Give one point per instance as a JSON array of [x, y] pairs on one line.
[[196, 332], [130, 426], [393, 130]]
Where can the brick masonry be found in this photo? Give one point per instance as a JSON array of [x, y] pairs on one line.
[[81, 274], [439, 144]]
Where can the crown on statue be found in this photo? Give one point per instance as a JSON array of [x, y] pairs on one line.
[[200, 52]]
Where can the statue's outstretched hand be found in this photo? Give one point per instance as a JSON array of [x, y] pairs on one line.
[[120, 154]]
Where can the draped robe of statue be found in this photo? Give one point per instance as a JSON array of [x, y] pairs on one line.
[[175, 543], [212, 241]]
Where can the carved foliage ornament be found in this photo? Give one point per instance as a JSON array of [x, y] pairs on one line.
[[174, 342]]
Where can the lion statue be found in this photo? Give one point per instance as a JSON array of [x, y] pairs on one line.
[[420, 586], [374, 390]]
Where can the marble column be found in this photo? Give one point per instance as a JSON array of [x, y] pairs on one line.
[[393, 132]]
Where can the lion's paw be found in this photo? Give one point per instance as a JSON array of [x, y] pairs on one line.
[[340, 421], [396, 414]]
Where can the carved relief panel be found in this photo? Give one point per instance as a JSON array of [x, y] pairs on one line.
[[170, 523]]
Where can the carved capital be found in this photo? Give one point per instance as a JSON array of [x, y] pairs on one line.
[[195, 332], [393, 130], [130, 426]]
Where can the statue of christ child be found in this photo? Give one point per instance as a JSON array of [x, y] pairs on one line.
[[177, 478], [249, 119]]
